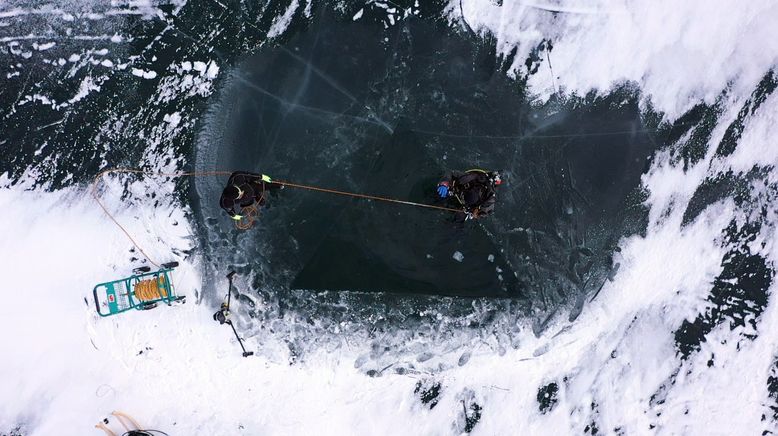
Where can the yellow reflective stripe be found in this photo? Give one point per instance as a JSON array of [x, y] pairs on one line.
[[479, 170], [266, 178]]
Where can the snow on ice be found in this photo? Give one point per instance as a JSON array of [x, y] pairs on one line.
[[616, 367]]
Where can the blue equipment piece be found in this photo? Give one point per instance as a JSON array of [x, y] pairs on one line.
[[443, 190]]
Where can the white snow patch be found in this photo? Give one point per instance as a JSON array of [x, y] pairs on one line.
[[213, 70], [308, 8], [42, 47], [172, 119], [679, 53], [143, 73], [281, 22], [762, 136], [87, 85]]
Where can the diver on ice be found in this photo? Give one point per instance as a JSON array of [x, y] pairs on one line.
[[473, 190], [244, 191]]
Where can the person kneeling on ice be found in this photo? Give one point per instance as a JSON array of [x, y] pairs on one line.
[[245, 190], [474, 191]]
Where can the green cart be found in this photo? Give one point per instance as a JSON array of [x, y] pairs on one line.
[[142, 291]]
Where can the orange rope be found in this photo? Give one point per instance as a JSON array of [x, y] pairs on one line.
[[151, 289], [100, 175], [251, 217], [246, 222], [365, 196]]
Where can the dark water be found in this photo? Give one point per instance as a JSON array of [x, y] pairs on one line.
[[347, 105]]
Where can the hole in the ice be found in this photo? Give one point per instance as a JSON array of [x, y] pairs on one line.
[[337, 106], [547, 397]]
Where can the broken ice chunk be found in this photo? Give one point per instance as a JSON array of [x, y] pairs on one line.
[[458, 256]]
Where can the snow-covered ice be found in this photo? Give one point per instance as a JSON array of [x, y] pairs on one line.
[[616, 367]]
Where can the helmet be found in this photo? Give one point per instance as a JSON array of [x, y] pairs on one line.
[[231, 192]]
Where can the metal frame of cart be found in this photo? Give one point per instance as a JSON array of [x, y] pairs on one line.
[[142, 291]]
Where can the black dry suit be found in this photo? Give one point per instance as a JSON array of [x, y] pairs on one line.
[[474, 190], [244, 189]]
